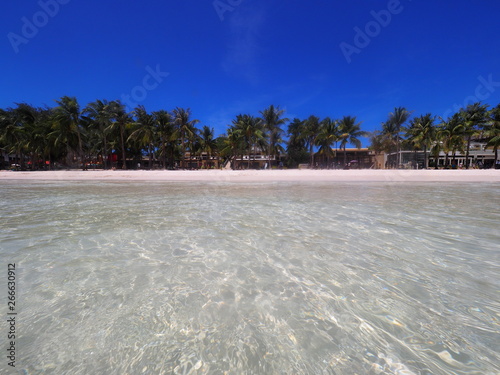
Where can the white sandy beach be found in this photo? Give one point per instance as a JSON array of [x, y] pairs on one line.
[[293, 175]]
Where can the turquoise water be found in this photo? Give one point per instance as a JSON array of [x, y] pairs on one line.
[[228, 278]]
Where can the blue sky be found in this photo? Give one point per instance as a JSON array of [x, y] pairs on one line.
[[426, 56]]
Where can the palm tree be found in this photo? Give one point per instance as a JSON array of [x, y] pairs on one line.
[[421, 134], [185, 129], [327, 136], [67, 118], [233, 145], [144, 131], [473, 117], [390, 136], [493, 131], [165, 131], [13, 134], [349, 132], [398, 119], [100, 115], [272, 118], [309, 133], [436, 148], [296, 145], [383, 140], [450, 133], [25, 131], [27, 119], [4, 122], [121, 122], [376, 141], [46, 141], [36, 129], [252, 130], [208, 143]]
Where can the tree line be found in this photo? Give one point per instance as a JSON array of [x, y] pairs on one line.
[[70, 136], [103, 133], [433, 134]]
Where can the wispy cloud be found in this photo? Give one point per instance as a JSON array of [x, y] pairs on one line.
[[243, 46]]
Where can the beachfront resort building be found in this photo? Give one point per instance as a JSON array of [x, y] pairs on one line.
[[10, 161], [480, 156], [358, 158], [351, 158], [257, 160], [201, 161]]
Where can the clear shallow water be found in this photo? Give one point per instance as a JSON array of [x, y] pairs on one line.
[[156, 278]]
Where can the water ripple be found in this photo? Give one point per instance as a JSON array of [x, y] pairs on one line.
[[255, 279]]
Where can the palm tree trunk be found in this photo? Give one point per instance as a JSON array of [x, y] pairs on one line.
[[311, 150], [398, 148], [271, 147], [253, 155], [80, 148], [467, 153], [124, 157], [150, 152], [69, 153], [23, 164], [183, 148], [336, 159], [425, 158], [249, 152], [105, 161], [164, 154]]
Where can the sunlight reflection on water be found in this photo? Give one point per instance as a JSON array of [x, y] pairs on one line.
[[284, 278]]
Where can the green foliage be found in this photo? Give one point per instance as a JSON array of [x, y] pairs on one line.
[[68, 136], [349, 132]]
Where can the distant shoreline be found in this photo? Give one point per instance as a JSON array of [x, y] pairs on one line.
[[291, 175]]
